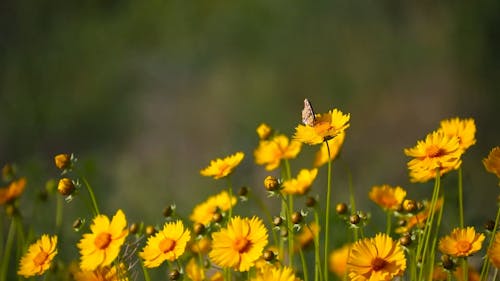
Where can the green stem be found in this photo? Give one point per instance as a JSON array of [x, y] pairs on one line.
[[389, 222], [460, 198], [317, 262], [8, 248], [230, 191], [433, 245], [304, 265], [327, 213], [465, 269], [288, 176], [145, 272], [92, 196], [486, 266]]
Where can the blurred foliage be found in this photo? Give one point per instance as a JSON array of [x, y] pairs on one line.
[[148, 92]]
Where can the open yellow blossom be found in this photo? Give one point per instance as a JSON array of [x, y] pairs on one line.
[[492, 162], [106, 273], [167, 244], [13, 191], [270, 152], [494, 251], [301, 183], [419, 219], [338, 260], [326, 126], [464, 129], [387, 197], [220, 168], [462, 242], [334, 145], [437, 152], [375, 259], [264, 131], [307, 235], [240, 244], [102, 246], [39, 256], [284, 273], [204, 212]]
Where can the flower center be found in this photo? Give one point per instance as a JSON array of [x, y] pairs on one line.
[[40, 258], [434, 151], [463, 246], [378, 264], [241, 244], [102, 240], [167, 245]]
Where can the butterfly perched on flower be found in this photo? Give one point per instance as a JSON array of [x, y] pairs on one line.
[[308, 114]]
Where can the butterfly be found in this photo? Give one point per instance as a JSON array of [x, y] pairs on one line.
[[308, 114]]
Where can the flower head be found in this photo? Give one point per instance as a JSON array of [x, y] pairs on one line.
[[325, 127], [494, 251], [167, 244], [276, 274], [437, 152], [302, 183], [264, 131], [62, 161], [102, 246], [13, 191], [387, 197], [492, 162], [462, 242], [106, 273], [221, 168], [240, 244], [334, 145], [338, 260], [378, 258], [270, 152], [39, 256], [463, 129], [65, 186], [204, 212]]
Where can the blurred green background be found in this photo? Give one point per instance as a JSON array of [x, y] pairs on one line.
[[146, 93]]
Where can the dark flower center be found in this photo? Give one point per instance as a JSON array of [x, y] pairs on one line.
[[102, 240], [378, 264]]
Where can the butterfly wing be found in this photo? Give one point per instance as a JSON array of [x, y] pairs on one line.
[[308, 114]]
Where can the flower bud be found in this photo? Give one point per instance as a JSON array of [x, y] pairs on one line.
[[167, 212], [409, 205], [489, 225], [310, 201], [277, 221], [296, 217], [217, 217], [77, 224], [243, 191], [268, 255], [341, 208], [354, 219], [150, 230], [133, 228], [62, 161], [174, 275], [264, 131], [198, 228], [271, 183], [66, 186]]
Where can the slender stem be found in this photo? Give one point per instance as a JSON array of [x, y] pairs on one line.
[[327, 213], [288, 176], [145, 272], [304, 265], [460, 197], [8, 248], [433, 245], [317, 262], [465, 269], [495, 274], [230, 191], [92, 196], [486, 266], [389, 222]]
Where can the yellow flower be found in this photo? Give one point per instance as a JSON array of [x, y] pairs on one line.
[[464, 129], [13, 191], [201, 246], [302, 183], [334, 144], [107, 273], [387, 197], [306, 236], [221, 168], [204, 212], [338, 260], [264, 131], [193, 271], [276, 274], [494, 251], [271, 152], [167, 244], [39, 256], [492, 162], [240, 244], [326, 126], [420, 218], [102, 246], [436, 152], [462, 242], [62, 161], [375, 259]]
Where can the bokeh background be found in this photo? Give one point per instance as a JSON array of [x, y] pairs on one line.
[[146, 93]]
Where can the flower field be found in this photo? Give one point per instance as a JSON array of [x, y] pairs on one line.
[[298, 242]]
